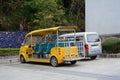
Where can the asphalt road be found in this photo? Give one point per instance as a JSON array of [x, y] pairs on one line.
[[99, 69]]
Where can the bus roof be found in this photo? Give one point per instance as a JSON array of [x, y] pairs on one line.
[[43, 32]]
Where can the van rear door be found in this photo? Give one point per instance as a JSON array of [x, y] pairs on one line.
[[94, 44]]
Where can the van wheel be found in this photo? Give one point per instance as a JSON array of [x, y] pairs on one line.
[[93, 57], [54, 62], [22, 59], [73, 62]]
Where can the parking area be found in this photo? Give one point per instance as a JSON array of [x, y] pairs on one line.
[[99, 69]]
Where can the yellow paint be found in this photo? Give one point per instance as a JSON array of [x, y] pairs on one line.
[[60, 53], [64, 52], [43, 32]]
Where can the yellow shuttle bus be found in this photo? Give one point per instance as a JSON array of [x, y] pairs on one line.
[[46, 46]]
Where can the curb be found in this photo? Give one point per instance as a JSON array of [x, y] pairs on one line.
[[110, 55]]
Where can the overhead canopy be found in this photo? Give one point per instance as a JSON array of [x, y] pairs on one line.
[[43, 32]]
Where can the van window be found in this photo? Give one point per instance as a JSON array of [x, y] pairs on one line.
[[93, 38]]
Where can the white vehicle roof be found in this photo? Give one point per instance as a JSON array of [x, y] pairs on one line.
[[77, 34]]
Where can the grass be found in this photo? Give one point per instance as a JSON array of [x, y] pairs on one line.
[[9, 51]]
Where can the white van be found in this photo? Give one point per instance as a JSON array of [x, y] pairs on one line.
[[89, 43]]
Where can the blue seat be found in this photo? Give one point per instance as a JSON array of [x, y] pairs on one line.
[[49, 47], [61, 44], [39, 48], [72, 44], [43, 47]]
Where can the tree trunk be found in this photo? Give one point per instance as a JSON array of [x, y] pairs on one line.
[[21, 27]]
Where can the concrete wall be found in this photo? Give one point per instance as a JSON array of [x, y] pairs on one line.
[[103, 16]]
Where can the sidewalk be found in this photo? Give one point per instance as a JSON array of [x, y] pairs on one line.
[[9, 59], [110, 55]]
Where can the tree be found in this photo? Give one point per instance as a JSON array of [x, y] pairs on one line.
[[9, 11], [26, 15], [30, 14], [47, 15], [74, 12]]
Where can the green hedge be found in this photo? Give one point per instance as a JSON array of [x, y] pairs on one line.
[[111, 45], [9, 51]]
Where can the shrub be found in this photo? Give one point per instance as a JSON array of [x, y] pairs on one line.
[[9, 51], [111, 45]]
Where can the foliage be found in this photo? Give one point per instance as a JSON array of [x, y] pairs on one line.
[[9, 51], [111, 45], [27, 15], [74, 12], [48, 13], [9, 10]]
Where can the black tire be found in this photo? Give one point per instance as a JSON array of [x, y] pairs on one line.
[[22, 59], [93, 57], [54, 62], [73, 62]]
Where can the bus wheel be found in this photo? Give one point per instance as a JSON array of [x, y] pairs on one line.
[[22, 59], [73, 62], [93, 57], [54, 62]]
